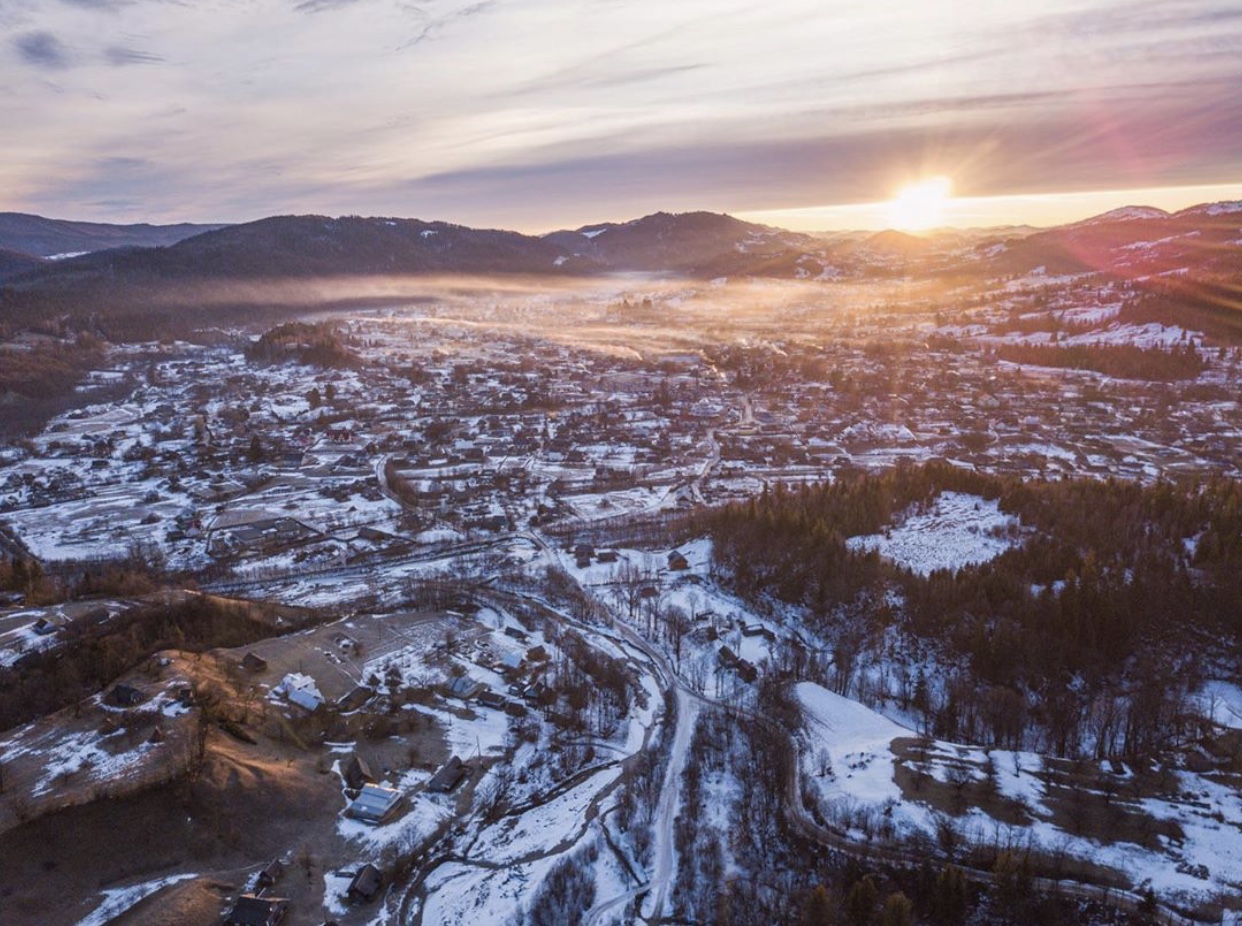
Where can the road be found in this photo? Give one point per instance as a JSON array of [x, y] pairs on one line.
[[689, 704], [664, 867]]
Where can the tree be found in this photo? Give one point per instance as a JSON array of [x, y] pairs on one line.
[[898, 911], [819, 909], [951, 898], [861, 902]]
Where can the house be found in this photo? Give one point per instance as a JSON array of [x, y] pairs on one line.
[[448, 777], [677, 561], [520, 635], [607, 556], [366, 884], [356, 698], [270, 874], [346, 643], [252, 662], [356, 772], [300, 690], [257, 911], [464, 687], [125, 696], [757, 630], [374, 804], [43, 627], [493, 699]]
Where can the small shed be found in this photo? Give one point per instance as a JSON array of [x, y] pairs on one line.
[[252, 662], [270, 874], [677, 561], [125, 696], [366, 884], [448, 777], [251, 910], [356, 772], [493, 699], [356, 698]]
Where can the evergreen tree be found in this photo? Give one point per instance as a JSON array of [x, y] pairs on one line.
[[898, 911]]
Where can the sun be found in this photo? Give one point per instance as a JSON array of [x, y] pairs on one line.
[[921, 205]]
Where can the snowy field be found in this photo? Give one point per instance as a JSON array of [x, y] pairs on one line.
[[852, 765], [958, 530]]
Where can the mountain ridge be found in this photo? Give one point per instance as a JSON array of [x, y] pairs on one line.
[[43, 237], [1203, 244]]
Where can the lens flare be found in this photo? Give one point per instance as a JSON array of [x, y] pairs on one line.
[[921, 205]]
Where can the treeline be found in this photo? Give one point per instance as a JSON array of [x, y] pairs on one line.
[[48, 370], [91, 654], [1120, 588], [1125, 361], [317, 345], [790, 543]]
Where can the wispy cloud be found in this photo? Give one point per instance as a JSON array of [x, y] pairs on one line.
[[319, 6], [438, 24], [120, 56]]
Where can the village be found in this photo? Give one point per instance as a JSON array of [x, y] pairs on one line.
[[487, 662], [451, 429]]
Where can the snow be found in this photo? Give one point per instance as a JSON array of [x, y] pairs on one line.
[[119, 899], [515, 838], [459, 894], [74, 753], [664, 852], [1126, 214], [1222, 701], [1226, 208], [860, 784], [335, 886], [857, 740], [958, 530]]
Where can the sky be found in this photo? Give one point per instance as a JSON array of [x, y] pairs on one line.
[[544, 114]]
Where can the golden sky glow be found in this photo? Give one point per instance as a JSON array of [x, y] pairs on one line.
[[921, 205], [983, 211]]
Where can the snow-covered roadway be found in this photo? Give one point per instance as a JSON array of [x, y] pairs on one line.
[[664, 864]]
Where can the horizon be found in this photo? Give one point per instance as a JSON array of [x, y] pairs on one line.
[[866, 217], [550, 117]]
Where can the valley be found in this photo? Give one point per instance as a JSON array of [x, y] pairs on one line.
[[633, 598]]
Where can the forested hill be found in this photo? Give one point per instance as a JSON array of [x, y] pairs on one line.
[[1117, 584], [272, 264], [44, 237]]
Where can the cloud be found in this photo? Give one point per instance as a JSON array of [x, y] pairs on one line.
[[42, 49], [430, 30], [98, 4], [120, 56], [318, 6]]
